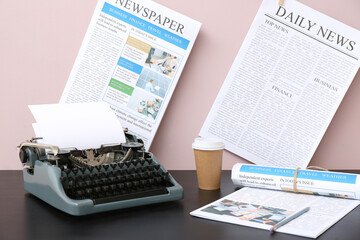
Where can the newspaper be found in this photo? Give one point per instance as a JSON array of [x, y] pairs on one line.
[[131, 58], [333, 184], [263, 208], [260, 204], [285, 85]]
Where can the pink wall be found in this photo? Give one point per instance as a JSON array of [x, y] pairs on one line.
[[40, 40]]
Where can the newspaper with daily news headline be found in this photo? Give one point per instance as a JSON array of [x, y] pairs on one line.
[[323, 183]]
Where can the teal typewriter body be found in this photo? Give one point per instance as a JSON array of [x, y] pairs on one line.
[[81, 182]]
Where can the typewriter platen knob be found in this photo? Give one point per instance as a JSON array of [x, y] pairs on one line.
[[23, 156]]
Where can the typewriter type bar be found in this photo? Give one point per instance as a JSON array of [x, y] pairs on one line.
[[81, 182]]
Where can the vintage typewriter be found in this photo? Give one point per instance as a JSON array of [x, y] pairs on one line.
[[81, 182]]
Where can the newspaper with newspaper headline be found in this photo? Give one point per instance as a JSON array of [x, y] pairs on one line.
[[131, 58]]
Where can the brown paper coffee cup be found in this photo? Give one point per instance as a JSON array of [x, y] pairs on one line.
[[208, 158]]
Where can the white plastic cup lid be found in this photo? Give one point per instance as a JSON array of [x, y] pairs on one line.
[[208, 144]]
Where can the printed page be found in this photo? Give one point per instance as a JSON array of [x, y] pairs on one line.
[[131, 58], [285, 85], [323, 183], [262, 208]]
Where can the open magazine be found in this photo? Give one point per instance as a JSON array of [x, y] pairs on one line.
[[262, 208]]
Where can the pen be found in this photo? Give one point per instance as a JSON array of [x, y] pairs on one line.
[[289, 218]]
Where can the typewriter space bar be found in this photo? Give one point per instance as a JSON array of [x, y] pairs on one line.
[[135, 195]]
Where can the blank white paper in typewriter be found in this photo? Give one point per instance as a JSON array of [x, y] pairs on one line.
[[79, 125]]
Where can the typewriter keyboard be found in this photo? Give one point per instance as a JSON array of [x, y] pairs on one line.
[[116, 181]]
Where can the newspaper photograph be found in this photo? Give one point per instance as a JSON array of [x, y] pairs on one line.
[[131, 58]]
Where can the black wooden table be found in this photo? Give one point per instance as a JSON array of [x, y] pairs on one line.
[[24, 216]]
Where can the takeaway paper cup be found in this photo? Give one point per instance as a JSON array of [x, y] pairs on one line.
[[208, 158]]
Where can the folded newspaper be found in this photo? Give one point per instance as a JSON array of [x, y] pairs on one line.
[[333, 184], [264, 199]]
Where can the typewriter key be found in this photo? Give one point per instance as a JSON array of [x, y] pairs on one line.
[[97, 189], [136, 183], [67, 171], [88, 183], [88, 191], [149, 160]]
